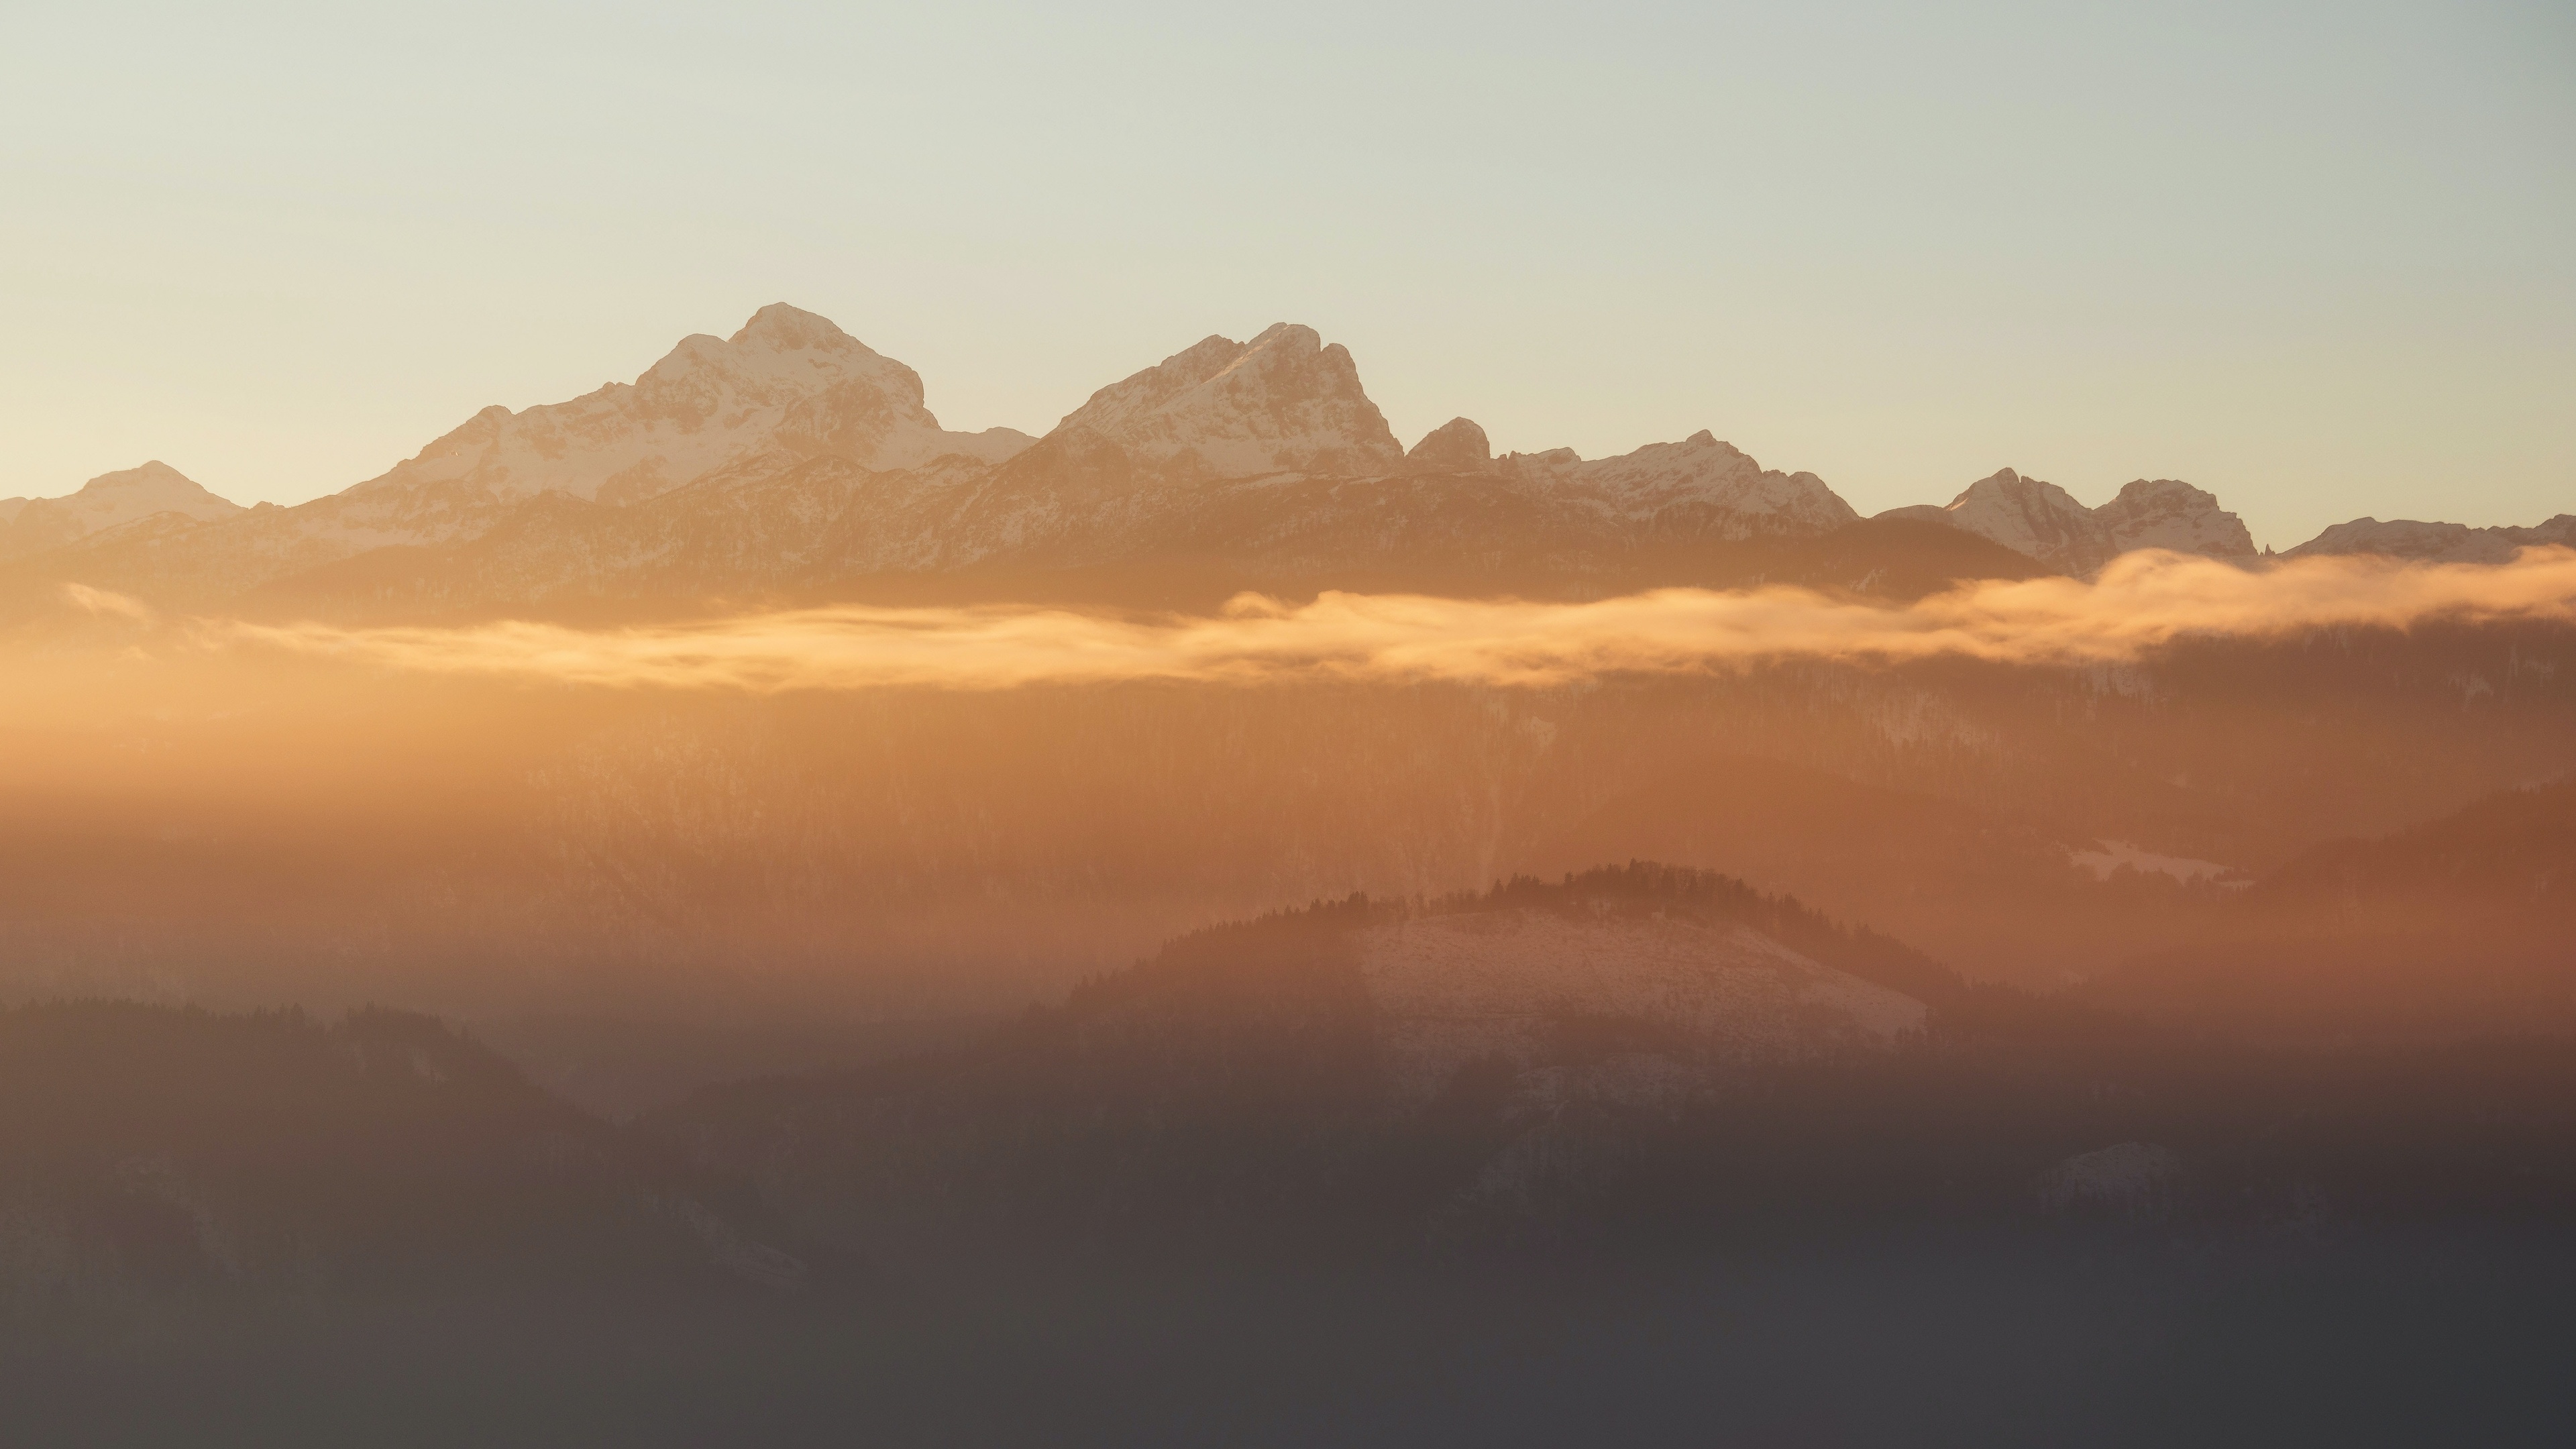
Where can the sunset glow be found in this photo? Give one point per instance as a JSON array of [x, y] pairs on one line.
[[2142, 602], [1317, 726]]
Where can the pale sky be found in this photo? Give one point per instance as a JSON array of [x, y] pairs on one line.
[[2319, 258]]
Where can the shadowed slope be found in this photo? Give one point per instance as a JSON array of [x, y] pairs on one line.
[[150, 1154]]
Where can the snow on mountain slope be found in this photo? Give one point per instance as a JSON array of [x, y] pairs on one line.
[[2029, 516], [107, 501], [1264, 455], [2167, 513], [788, 379], [2043, 521], [788, 382], [1698, 487], [765, 524], [2437, 542], [1283, 402], [1151, 458], [1447, 990], [1079, 499]]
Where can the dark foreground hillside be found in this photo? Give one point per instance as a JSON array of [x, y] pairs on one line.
[[156, 1160], [1602, 1065], [1642, 1156]]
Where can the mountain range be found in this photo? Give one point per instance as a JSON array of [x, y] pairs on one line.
[[791, 459]]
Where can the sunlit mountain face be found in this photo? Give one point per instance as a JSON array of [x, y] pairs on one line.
[[725, 872]]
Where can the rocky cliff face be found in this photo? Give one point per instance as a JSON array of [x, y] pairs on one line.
[[791, 456], [1283, 402], [2166, 513]]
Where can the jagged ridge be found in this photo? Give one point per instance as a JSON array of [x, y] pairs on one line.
[[793, 456]]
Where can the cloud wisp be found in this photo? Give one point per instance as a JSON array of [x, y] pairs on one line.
[[2139, 603]]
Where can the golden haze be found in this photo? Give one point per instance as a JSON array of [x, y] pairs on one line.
[[2140, 602]]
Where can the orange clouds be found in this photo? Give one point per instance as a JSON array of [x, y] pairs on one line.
[[2138, 603]]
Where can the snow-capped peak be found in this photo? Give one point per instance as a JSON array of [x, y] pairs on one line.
[[787, 379], [1283, 402], [2169, 513], [2045, 522], [1699, 485], [2032, 517], [108, 500]]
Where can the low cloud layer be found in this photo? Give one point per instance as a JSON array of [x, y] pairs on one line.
[[2139, 603]]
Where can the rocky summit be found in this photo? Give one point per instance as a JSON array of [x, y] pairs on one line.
[[792, 460], [2045, 522]]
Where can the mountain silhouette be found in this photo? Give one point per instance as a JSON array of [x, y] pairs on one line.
[[792, 461]]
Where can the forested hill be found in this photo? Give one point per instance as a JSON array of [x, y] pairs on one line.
[[151, 1152], [1641, 887]]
